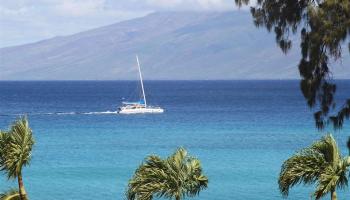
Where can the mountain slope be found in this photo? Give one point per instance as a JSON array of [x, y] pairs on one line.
[[171, 45]]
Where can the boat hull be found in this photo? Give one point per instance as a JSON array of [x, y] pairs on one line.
[[140, 107], [140, 110]]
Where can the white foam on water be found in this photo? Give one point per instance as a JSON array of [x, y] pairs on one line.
[[65, 113], [108, 112], [101, 113]]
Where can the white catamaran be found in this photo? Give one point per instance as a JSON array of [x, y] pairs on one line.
[[140, 106]]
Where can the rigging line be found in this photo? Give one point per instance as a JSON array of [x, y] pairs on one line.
[[143, 90]]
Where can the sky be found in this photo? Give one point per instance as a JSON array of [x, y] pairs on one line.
[[25, 21]]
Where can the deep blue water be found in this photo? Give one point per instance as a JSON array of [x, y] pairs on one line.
[[242, 131]]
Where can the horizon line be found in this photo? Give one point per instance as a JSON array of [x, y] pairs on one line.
[[108, 80]]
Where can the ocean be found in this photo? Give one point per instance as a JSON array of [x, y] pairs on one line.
[[242, 131]]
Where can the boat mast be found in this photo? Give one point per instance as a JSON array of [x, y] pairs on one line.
[[143, 90]]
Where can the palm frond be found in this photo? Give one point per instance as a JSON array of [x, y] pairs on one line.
[[16, 146], [328, 147], [11, 194], [304, 167], [327, 181], [174, 177], [4, 142], [320, 163]]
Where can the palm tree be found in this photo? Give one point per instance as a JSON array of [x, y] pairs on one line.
[[11, 194], [320, 163], [175, 177], [15, 151]]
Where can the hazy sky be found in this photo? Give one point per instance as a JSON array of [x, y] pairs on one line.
[[24, 21]]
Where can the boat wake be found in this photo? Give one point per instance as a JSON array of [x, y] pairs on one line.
[[101, 113], [108, 112]]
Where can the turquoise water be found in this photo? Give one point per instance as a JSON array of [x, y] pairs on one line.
[[242, 131]]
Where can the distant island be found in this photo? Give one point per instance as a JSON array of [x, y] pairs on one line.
[[172, 45]]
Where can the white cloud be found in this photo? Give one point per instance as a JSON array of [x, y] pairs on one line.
[[80, 7], [24, 21], [216, 4], [192, 4], [14, 12]]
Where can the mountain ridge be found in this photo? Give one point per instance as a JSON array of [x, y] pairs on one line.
[[171, 46]]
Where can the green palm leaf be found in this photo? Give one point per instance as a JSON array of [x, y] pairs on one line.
[[15, 151], [175, 177], [321, 163]]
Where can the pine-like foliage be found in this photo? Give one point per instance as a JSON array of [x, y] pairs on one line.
[[320, 163], [324, 26], [175, 177]]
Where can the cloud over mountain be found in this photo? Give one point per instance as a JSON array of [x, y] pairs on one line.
[[42, 19]]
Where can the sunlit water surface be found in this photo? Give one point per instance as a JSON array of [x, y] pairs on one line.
[[242, 131]]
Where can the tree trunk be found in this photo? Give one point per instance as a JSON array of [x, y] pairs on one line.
[[333, 195], [21, 190], [177, 198]]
